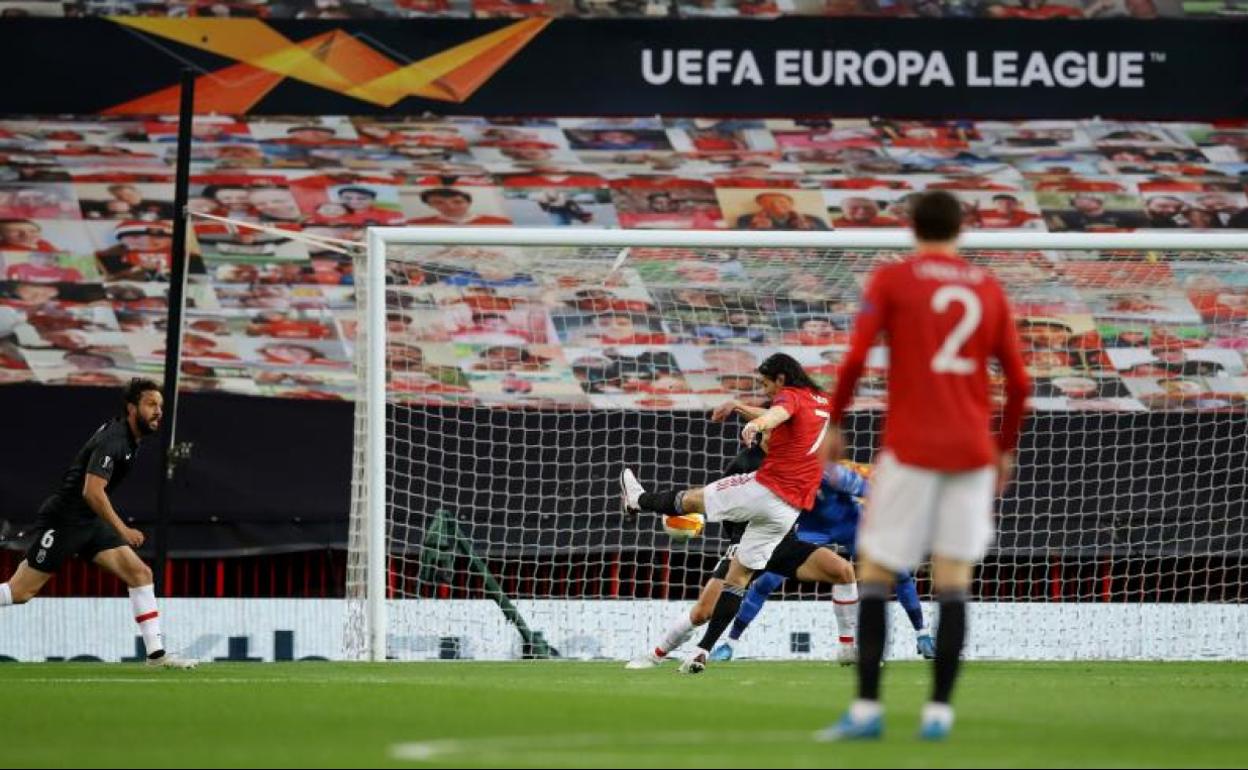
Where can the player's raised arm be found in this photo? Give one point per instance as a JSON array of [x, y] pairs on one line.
[[1017, 387], [727, 408], [769, 419], [842, 478]]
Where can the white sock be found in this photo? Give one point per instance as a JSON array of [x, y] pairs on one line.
[[6, 595], [845, 605], [677, 634], [862, 710], [938, 712], [143, 601]]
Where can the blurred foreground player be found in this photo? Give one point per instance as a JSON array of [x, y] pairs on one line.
[[79, 519], [939, 468]]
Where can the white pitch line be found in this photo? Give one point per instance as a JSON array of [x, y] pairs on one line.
[[164, 678], [422, 751]]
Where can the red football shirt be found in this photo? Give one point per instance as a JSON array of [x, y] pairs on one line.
[[943, 318], [793, 467]]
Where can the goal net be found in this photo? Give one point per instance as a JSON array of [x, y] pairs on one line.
[[508, 375]]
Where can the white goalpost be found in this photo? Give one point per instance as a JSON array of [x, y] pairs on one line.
[[506, 375]]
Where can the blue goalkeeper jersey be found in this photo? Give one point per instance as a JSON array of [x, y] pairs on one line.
[[833, 520]]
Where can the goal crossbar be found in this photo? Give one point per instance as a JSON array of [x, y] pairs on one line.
[[836, 239]]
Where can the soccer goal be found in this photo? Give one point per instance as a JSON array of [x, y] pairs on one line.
[[508, 375]]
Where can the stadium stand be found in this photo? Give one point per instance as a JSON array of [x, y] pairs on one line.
[[85, 233]]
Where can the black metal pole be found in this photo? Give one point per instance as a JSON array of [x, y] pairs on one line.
[[169, 454]]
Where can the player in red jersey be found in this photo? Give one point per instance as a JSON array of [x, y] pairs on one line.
[[939, 467], [767, 501]]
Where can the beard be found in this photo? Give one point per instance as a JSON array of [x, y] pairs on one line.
[[147, 427]]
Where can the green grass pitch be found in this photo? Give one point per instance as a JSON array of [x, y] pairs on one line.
[[567, 714]]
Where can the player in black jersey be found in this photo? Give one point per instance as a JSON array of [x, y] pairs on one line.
[[79, 518]]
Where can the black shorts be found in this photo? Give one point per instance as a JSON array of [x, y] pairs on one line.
[[721, 567], [52, 545], [789, 555]]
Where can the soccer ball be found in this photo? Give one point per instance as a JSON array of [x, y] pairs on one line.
[[684, 527]]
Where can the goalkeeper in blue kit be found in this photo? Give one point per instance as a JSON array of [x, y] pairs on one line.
[[833, 523]]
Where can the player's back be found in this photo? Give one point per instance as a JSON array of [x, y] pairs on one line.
[[944, 319], [794, 462]]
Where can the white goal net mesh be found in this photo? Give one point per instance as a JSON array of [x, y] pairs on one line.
[[520, 380]]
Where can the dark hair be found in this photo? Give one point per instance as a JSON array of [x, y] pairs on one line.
[[134, 391], [937, 216], [795, 376], [360, 190], [1004, 197], [444, 192]]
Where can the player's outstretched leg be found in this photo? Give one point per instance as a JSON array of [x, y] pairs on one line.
[[761, 588], [682, 628], [679, 632], [908, 598], [636, 499], [631, 491], [824, 565], [726, 607], [845, 607], [24, 585], [127, 566]]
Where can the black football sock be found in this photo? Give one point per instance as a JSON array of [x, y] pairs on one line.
[[950, 636], [664, 501], [725, 610], [872, 631]]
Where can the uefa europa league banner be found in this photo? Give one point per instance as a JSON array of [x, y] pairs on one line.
[[983, 68]]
